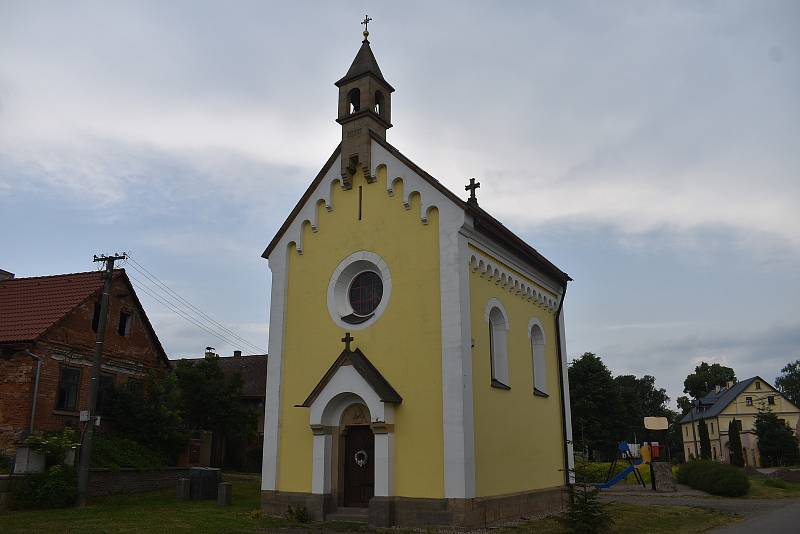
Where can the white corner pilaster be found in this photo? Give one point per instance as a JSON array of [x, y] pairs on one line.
[[567, 408], [321, 478], [384, 453], [278, 264]]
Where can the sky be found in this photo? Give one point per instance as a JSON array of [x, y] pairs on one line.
[[649, 149]]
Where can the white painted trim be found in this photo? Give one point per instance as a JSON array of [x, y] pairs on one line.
[[457, 414], [567, 408], [491, 270], [345, 388], [494, 303], [538, 356], [339, 284], [278, 264], [494, 251]]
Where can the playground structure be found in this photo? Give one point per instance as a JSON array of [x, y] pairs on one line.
[[648, 453], [624, 454]]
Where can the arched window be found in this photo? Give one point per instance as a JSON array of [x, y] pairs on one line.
[[538, 361], [498, 344], [354, 100], [379, 103]]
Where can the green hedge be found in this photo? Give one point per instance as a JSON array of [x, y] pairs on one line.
[[55, 488], [115, 452], [714, 477]]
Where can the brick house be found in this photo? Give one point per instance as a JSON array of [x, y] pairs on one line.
[[47, 327]]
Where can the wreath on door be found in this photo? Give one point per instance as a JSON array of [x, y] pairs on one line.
[[361, 458]]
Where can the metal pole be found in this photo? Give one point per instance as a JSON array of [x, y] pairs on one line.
[[86, 447]]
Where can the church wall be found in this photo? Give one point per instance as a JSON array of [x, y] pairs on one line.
[[404, 344], [518, 435]]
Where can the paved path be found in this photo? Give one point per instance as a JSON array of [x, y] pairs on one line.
[[785, 518]]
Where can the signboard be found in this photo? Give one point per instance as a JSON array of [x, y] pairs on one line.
[[656, 423]]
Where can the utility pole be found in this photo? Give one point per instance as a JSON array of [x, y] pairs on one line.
[[86, 446]]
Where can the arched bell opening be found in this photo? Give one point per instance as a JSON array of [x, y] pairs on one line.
[[353, 101]]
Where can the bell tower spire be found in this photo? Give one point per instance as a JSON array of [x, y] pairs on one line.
[[364, 106]]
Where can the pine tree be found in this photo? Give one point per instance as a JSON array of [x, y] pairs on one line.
[[735, 443], [705, 442], [586, 513]]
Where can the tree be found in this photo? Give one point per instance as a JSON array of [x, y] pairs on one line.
[[151, 417], [706, 377], [735, 443], [705, 442], [595, 404], [777, 443], [684, 404], [212, 401], [638, 398], [788, 383]]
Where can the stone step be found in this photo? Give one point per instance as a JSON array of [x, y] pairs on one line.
[[349, 515]]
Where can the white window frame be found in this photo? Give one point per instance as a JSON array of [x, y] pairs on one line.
[[498, 325], [538, 356]]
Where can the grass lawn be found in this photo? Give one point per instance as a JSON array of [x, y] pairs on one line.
[[159, 512], [762, 487]]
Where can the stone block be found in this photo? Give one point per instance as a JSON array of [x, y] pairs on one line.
[[204, 481], [224, 493], [662, 476], [183, 489]]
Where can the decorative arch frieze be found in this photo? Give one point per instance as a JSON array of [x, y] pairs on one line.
[[393, 170], [492, 271]]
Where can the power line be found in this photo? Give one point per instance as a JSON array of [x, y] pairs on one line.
[[173, 294], [142, 286], [189, 308]]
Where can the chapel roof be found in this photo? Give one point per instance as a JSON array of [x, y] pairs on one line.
[[363, 64], [29, 307]]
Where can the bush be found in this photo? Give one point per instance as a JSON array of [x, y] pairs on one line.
[[55, 488], [5, 464], [776, 483], [714, 477], [115, 452], [597, 471]]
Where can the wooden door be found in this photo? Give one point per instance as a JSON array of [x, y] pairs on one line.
[[359, 470]]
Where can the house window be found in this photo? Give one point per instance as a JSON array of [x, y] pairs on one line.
[[498, 347], [96, 316], [125, 320], [771, 400], [686, 431], [68, 384], [748, 401], [538, 362], [712, 428], [104, 393], [758, 385]]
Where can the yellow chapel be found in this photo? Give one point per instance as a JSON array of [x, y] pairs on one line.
[[417, 360]]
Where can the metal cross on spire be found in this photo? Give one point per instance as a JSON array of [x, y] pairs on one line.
[[347, 339], [366, 22], [473, 185]]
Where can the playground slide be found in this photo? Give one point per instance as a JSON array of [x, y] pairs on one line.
[[620, 476]]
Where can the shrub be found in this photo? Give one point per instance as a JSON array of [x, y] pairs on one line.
[[586, 514], [55, 488], [299, 514], [776, 483], [115, 452], [54, 445], [714, 477]]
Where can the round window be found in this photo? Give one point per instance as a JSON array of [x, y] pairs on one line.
[[359, 290], [365, 293]]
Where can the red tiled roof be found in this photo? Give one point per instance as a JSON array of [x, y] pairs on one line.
[[29, 306]]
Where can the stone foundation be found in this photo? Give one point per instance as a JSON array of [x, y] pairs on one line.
[[411, 512]]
